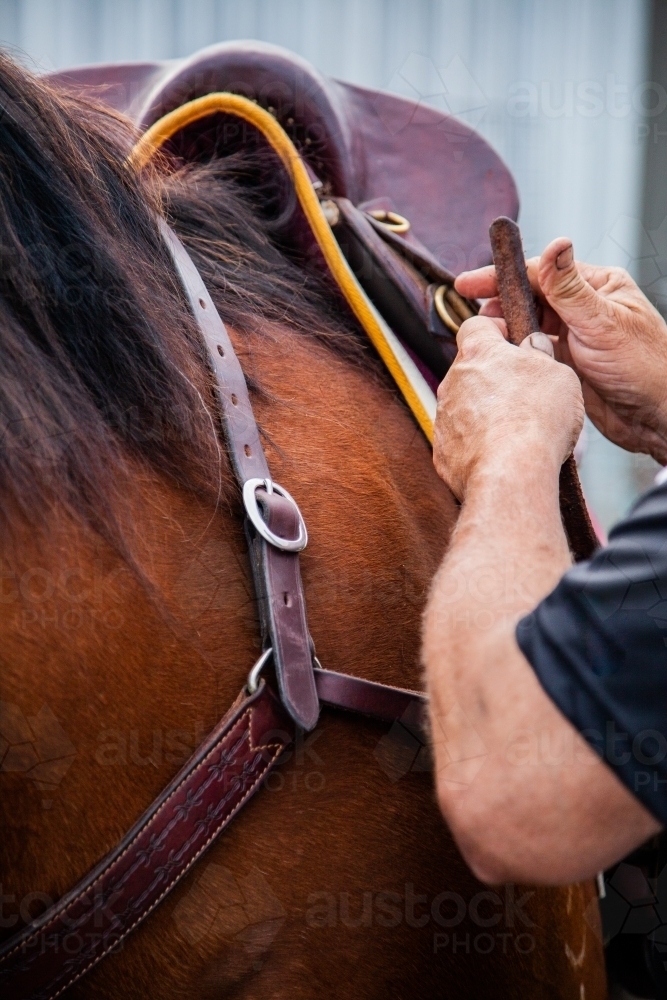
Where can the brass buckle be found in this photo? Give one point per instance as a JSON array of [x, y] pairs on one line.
[[392, 220]]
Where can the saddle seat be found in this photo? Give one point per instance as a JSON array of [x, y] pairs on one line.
[[363, 145]]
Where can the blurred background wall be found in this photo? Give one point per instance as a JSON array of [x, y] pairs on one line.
[[572, 94]]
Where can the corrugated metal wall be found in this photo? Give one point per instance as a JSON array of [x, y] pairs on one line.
[[558, 88]]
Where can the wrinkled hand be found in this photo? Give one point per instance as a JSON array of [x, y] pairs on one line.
[[608, 332], [498, 401]]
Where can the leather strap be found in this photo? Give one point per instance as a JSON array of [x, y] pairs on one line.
[[119, 893], [276, 573], [282, 608], [378, 701], [394, 285], [213, 786]]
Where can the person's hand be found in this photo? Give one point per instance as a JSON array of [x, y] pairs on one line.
[[607, 330], [498, 403]]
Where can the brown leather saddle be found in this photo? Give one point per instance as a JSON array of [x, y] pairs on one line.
[[409, 195], [363, 145]]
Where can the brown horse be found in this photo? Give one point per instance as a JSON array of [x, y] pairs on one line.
[[128, 622]]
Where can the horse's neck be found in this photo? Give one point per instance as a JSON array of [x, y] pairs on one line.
[[129, 684]]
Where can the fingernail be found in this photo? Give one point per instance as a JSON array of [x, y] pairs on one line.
[[540, 342], [564, 258]]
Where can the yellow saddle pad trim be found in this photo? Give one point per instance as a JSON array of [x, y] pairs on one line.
[[412, 384]]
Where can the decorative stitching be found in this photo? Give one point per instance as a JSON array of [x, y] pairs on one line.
[[247, 732], [52, 996]]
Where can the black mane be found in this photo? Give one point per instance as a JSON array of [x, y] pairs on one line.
[[99, 357]]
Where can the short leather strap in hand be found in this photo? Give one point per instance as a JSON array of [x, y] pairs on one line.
[[521, 318]]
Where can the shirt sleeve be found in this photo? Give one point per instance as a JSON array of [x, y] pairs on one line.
[[598, 645]]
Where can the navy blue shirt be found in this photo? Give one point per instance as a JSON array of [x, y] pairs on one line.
[[598, 644]]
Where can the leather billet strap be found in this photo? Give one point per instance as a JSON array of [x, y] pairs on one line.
[[93, 919], [395, 285], [282, 608], [276, 572]]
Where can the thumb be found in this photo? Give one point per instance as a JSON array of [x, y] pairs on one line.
[[564, 288]]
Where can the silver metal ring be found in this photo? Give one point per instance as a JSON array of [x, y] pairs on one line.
[[252, 683], [253, 512]]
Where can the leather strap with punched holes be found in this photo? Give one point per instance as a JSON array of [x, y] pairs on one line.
[[282, 604]]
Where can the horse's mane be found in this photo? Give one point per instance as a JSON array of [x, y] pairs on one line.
[[99, 356]]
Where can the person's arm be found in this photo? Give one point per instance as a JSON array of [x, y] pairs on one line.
[[525, 796]]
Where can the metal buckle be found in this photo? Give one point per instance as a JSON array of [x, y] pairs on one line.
[[439, 301], [392, 220], [252, 510], [252, 683]]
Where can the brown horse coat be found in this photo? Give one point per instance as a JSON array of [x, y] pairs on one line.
[[331, 880]]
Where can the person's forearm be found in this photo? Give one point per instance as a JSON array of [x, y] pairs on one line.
[[505, 421], [533, 819], [508, 551]]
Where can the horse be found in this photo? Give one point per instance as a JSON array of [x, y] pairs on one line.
[[129, 622]]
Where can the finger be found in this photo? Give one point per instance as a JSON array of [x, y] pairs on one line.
[[564, 286], [613, 427], [532, 267], [551, 323], [479, 328], [502, 326], [492, 307], [493, 310], [562, 353], [479, 284]]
